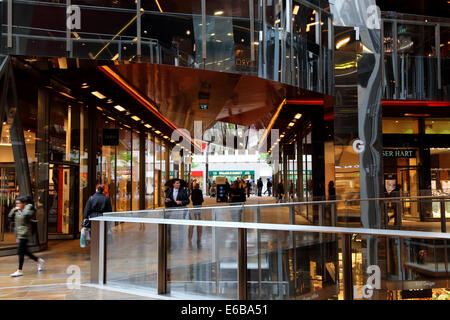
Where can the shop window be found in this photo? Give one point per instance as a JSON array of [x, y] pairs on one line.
[[437, 126], [400, 126]]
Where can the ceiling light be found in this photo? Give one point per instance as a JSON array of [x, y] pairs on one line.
[[166, 137], [98, 94], [84, 86], [291, 124], [282, 136], [342, 42], [120, 108], [135, 118], [116, 56], [298, 116], [218, 13], [157, 132], [126, 126], [109, 101], [110, 118], [296, 8], [99, 108], [148, 126], [173, 141]]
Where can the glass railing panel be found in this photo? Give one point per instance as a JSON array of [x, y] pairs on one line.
[[404, 268], [131, 255], [286, 265], [202, 261]]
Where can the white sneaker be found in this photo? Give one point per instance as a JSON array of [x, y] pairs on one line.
[[18, 273], [41, 264]]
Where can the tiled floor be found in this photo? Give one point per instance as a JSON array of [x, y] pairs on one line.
[[51, 283]]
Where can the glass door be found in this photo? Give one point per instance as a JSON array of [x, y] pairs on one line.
[[409, 186], [63, 201]]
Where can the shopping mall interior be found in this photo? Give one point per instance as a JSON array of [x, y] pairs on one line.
[[337, 114]]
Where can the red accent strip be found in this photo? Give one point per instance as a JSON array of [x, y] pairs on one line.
[[415, 103], [315, 102]]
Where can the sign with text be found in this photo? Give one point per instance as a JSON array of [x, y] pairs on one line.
[[399, 153]]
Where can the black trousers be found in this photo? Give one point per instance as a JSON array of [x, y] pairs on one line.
[[22, 250]]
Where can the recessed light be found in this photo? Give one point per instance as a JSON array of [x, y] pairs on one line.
[[291, 124], [84, 86], [99, 108], [218, 13], [109, 101], [120, 108], [135, 118], [298, 116], [157, 132], [98, 94], [111, 119], [148, 126]]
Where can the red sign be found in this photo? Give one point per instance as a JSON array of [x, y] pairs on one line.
[[197, 173]]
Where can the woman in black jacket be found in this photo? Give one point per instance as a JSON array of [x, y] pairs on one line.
[[197, 200]]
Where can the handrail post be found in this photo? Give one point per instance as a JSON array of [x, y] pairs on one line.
[[242, 264], [162, 259], [347, 266], [443, 218]]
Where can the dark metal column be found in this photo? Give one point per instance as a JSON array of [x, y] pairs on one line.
[[347, 266], [42, 142], [162, 259], [242, 264], [10, 110], [142, 170], [92, 148]]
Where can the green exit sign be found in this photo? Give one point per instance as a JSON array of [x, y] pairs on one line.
[[203, 107]]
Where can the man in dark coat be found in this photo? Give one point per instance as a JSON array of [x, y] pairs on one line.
[[176, 197], [97, 204], [259, 186]]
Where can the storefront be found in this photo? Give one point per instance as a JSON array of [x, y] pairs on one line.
[[416, 161], [69, 148], [232, 175]]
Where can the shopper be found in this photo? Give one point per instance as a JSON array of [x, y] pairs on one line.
[[22, 215], [259, 186], [236, 195], [213, 190], [97, 204], [197, 201], [280, 191], [176, 197], [269, 187], [249, 188], [331, 191]]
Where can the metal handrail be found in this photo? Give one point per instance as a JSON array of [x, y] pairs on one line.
[[280, 227], [241, 205]]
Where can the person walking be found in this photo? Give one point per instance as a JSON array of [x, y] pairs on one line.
[[197, 201], [249, 188], [236, 195], [97, 204], [269, 187], [213, 189], [280, 191], [176, 197], [259, 185], [21, 215]]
